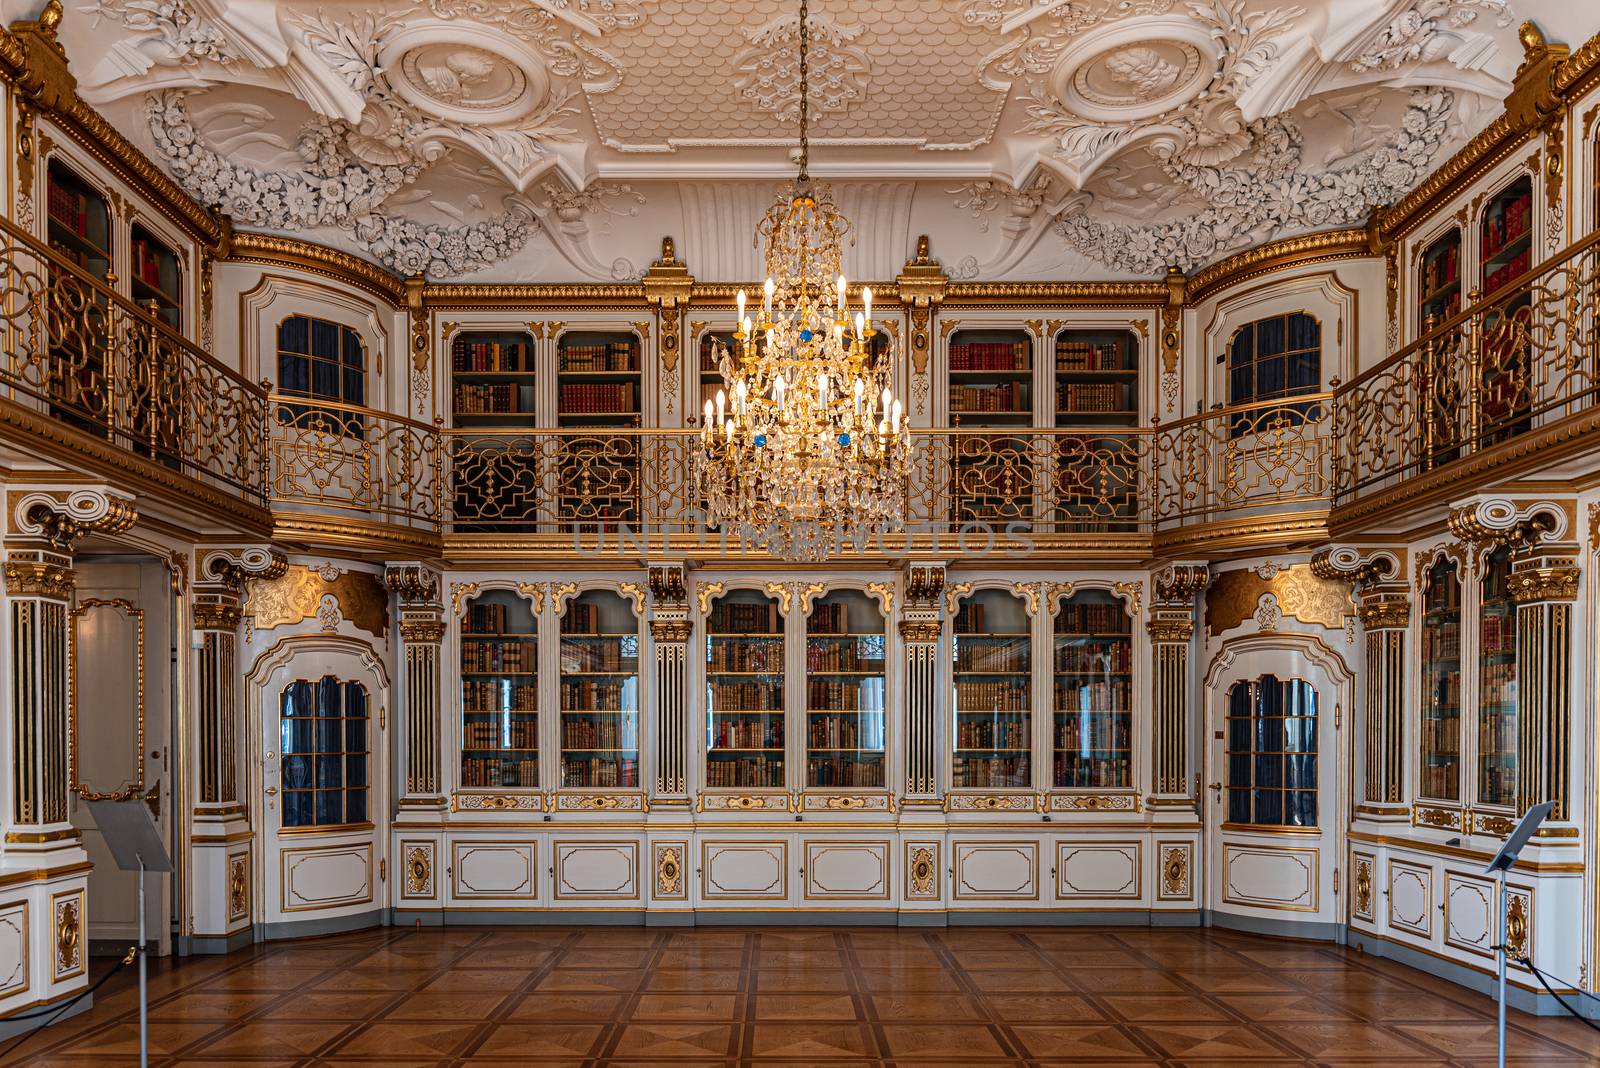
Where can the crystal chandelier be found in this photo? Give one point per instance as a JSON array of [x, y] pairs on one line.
[[805, 447]]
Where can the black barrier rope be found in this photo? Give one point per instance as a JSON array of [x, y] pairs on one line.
[[1545, 982], [55, 1011]]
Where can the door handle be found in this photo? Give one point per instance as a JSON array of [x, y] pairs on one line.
[[271, 790]]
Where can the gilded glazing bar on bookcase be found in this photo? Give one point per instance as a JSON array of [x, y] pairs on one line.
[[1544, 583], [85, 354]]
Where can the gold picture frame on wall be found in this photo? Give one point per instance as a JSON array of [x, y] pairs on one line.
[[81, 611]]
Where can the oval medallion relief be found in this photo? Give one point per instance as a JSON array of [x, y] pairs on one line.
[[464, 75], [1135, 69]]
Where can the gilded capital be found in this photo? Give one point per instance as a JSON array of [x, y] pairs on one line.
[[1558, 582], [670, 630], [413, 583], [216, 615], [1181, 582], [40, 578], [422, 631], [920, 630], [1387, 613], [1171, 631]]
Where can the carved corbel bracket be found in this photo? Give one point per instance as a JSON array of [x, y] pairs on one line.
[[413, 583], [922, 284], [1493, 522], [1350, 564], [60, 517], [1533, 98], [1180, 582], [667, 585], [230, 568]]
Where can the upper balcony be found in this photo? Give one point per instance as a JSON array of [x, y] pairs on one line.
[[90, 376]]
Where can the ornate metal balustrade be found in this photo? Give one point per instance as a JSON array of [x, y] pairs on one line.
[[77, 351], [1243, 460], [329, 457], [1508, 366]]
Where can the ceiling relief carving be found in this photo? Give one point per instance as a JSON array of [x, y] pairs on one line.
[[501, 138]]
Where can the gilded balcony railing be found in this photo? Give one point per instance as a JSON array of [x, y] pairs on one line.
[[79, 352], [330, 457], [1243, 460], [1518, 360]]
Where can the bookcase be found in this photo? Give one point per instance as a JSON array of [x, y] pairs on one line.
[[993, 672], [710, 374], [991, 378], [78, 228], [1092, 672], [745, 702], [157, 277], [1096, 385], [1506, 252], [1497, 683], [845, 692], [499, 693], [598, 385], [492, 375], [1439, 289], [599, 692], [1440, 741]]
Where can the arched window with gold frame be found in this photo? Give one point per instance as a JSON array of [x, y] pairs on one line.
[[1274, 359]]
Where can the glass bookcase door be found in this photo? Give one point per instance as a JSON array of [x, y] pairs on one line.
[[1439, 299], [599, 693], [1440, 742], [845, 692], [1092, 734], [1272, 753], [499, 693], [1505, 252], [744, 692], [993, 704], [1497, 684]]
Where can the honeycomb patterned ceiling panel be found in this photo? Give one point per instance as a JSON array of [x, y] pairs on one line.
[[690, 79]]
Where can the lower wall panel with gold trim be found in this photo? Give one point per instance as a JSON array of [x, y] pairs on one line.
[[848, 867], [1433, 898], [44, 937]]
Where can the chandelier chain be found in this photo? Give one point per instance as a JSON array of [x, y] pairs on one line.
[[805, 90]]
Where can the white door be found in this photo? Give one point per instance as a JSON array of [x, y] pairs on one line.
[[1275, 769], [122, 715], [322, 784]]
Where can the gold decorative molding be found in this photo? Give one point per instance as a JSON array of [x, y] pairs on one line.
[[1132, 592], [422, 631], [669, 870], [1031, 592], [463, 802], [601, 803], [1363, 888], [922, 872], [704, 594], [742, 803], [413, 584], [1445, 819], [1347, 243], [669, 286], [846, 803], [1180, 583], [1386, 612], [136, 785], [419, 871], [1491, 522], [1019, 802], [1170, 631], [1056, 592], [1174, 863], [238, 887], [633, 591], [920, 630], [67, 960], [921, 288], [884, 592], [952, 595], [667, 585], [276, 251], [1233, 597], [61, 517], [1126, 802], [534, 592], [459, 593], [297, 595], [795, 592], [1517, 925]]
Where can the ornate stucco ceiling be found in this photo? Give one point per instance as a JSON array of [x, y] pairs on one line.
[[561, 139]]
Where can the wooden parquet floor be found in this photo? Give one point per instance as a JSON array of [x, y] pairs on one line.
[[828, 998]]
